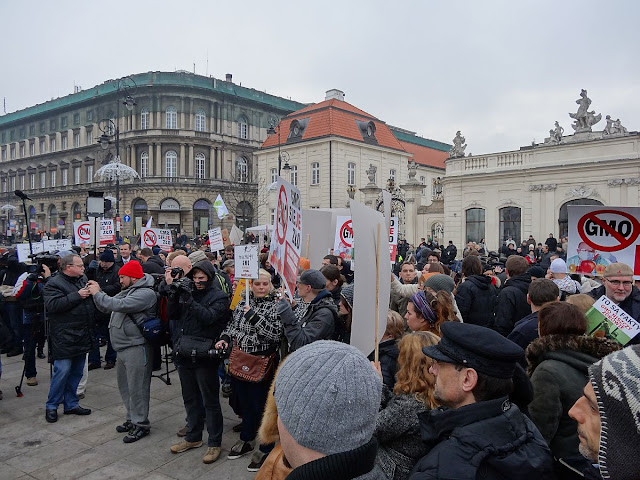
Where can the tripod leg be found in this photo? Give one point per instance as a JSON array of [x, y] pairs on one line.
[[19, 387]]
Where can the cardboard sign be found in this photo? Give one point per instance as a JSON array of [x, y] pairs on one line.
[[215, 239], [57, 245], [599, 236], [237, 295], [284, 253], [606, 316], [246, 257], [157, 236], [23, 250]]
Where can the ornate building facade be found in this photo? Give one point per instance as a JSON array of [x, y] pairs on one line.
[[188, 137]]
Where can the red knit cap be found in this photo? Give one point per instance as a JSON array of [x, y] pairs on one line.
[[131, 269]]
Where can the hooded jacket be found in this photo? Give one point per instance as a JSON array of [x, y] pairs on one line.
[[153, 264], [70, 316], [558, 367], [488, 440], [512, 303], [476, 298], [318, 322], [128, 309]]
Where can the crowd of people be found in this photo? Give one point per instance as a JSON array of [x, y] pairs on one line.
[[485, 369]]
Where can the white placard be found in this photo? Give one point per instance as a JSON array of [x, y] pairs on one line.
[[161, 237], [215, 239], [23, 250], [57, 245], [246, 261]]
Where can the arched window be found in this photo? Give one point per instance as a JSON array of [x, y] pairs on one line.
[[201, 119], [140, 213], [171, 115], [171, 164], [200, 165], [243, 128], [244, 215], [563, 217], [76, 211], [510, 222], [201, 216], [53, 217], [144, 119], [242, 170], [475, 224], [437, 232], [144, 164]]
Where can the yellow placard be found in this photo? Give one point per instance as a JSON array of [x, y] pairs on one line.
[[237, 296]]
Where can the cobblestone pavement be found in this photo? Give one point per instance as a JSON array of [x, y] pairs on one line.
[[89, 447]]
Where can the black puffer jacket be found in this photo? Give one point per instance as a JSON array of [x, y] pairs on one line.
[[512, 303], [631, 305], [110, 284], [70, 316], [476, 298], [488, 440], [388, 355]]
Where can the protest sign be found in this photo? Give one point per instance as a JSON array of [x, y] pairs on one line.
[[246, 257], [82, 233], [237, 295], [393, 238], [23, 251], [57, 245], [107, 232], [157, 236], [215, 239], [370, 321], [607, 316], [235, 236], [284, 253], [343, 244], [599, 236]]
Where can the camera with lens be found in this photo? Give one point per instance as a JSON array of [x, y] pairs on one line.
[[183, 284], [41, 259], [177, 272], [217, 353]]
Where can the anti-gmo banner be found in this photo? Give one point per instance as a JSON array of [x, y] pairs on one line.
[[601, 235]]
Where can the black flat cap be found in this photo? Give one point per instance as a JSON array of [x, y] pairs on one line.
[[473, 346]]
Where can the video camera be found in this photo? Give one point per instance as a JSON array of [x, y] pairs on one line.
[[41, 259]]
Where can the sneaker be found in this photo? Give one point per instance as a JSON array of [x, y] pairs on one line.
[[257, 459], [136, 434], [125, 427], [240, 449], [183, 446], [41, 354], [213, 453], [182, 432], [32, 382]]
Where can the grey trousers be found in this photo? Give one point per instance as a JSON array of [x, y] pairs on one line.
[[133, 370]]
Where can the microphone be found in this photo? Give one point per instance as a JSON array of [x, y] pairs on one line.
[[22, 195]]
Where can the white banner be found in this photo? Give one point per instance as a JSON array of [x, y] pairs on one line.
[[215, 239], [284, 253], [601, 235], [246, 258], [57, 245], [157, 236]]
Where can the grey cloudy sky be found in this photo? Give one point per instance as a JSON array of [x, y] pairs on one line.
[[500, 71]]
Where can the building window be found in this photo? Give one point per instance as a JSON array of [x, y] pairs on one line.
[[42, 127], [4, 185], [12, 135], [64, 142], [52, 177], [242, 170], [315, 173], [89, 137], [144, 164], [21, 133], [21, 182], [65, 177], [89, 173], [13, 152], [12, 183], [76, 119], [244, 215], [32, 181], [144, 119], [243, 128], [274, 175], [171, 164], [22, 150], [89, 115], [171, 120], [53, 216], [52, 144], [200, 121], [76, 140], [510, 224], [423, 181], [43, 146], [32, 148], [52, 125], [392, 174], [76, 175], [43, 179], [32, 130], [294, 175], [200, 165], [475, 224], [351, 173], [4, 154], [63, 122]]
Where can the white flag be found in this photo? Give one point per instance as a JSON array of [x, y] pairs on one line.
[[149, 222], [220, 207]]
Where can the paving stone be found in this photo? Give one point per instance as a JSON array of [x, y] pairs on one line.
[[120, 470], [76, 466], [7, 472], [20, 442], [47, 455]]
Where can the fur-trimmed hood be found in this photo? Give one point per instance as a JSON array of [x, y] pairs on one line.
[[579, 351]]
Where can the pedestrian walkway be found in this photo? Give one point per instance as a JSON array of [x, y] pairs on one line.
[[88, 447]]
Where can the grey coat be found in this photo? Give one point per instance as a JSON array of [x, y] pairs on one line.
[[398, 434], [137, 301]]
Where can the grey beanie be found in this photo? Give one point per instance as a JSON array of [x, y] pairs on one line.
[[197, 256], [347, 294], [440, 282], [328, 397]]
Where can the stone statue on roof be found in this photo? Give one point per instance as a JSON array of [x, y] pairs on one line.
[[413, 169], [371, 174], [584, 119], [614, 127], [458, 146]]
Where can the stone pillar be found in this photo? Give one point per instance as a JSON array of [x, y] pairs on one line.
[[190, 168], [220, 162], [182, 124], [151, 170], [182, 160], [370, 192], [134, 157], [158, 168], [212, 163], [412, 195]]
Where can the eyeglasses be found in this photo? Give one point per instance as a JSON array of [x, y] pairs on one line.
[[81, 265], [617, 283]]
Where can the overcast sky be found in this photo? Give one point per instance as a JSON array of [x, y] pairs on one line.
[[500, 71]]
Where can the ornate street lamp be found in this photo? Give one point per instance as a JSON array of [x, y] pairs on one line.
[[281, 155]]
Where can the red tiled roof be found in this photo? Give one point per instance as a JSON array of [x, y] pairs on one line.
[[425, 155]]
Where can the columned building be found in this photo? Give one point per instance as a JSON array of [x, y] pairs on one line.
[[189, 138]]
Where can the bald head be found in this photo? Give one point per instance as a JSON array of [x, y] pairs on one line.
[[183, 262]]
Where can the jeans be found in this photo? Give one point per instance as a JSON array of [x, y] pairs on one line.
[[102, 330], [64, 382], [200, 393]]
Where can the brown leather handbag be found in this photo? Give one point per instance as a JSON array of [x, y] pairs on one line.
[[250, 368]]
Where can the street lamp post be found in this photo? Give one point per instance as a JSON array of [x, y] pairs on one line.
[[271, 131]]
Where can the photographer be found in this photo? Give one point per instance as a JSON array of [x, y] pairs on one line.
[[130, 308], [199, 311]]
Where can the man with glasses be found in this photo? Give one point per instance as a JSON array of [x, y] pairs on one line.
[[70, 312], [617, 285]]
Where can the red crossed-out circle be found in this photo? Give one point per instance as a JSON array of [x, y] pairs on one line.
[[624, 242], [348, 227], [282, 222], [150, 238], [84, 231]]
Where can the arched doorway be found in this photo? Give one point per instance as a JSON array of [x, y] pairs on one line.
[[76, 211], [201, 216], [563, 217], [53, 219], [140, 214], [244, 215]]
